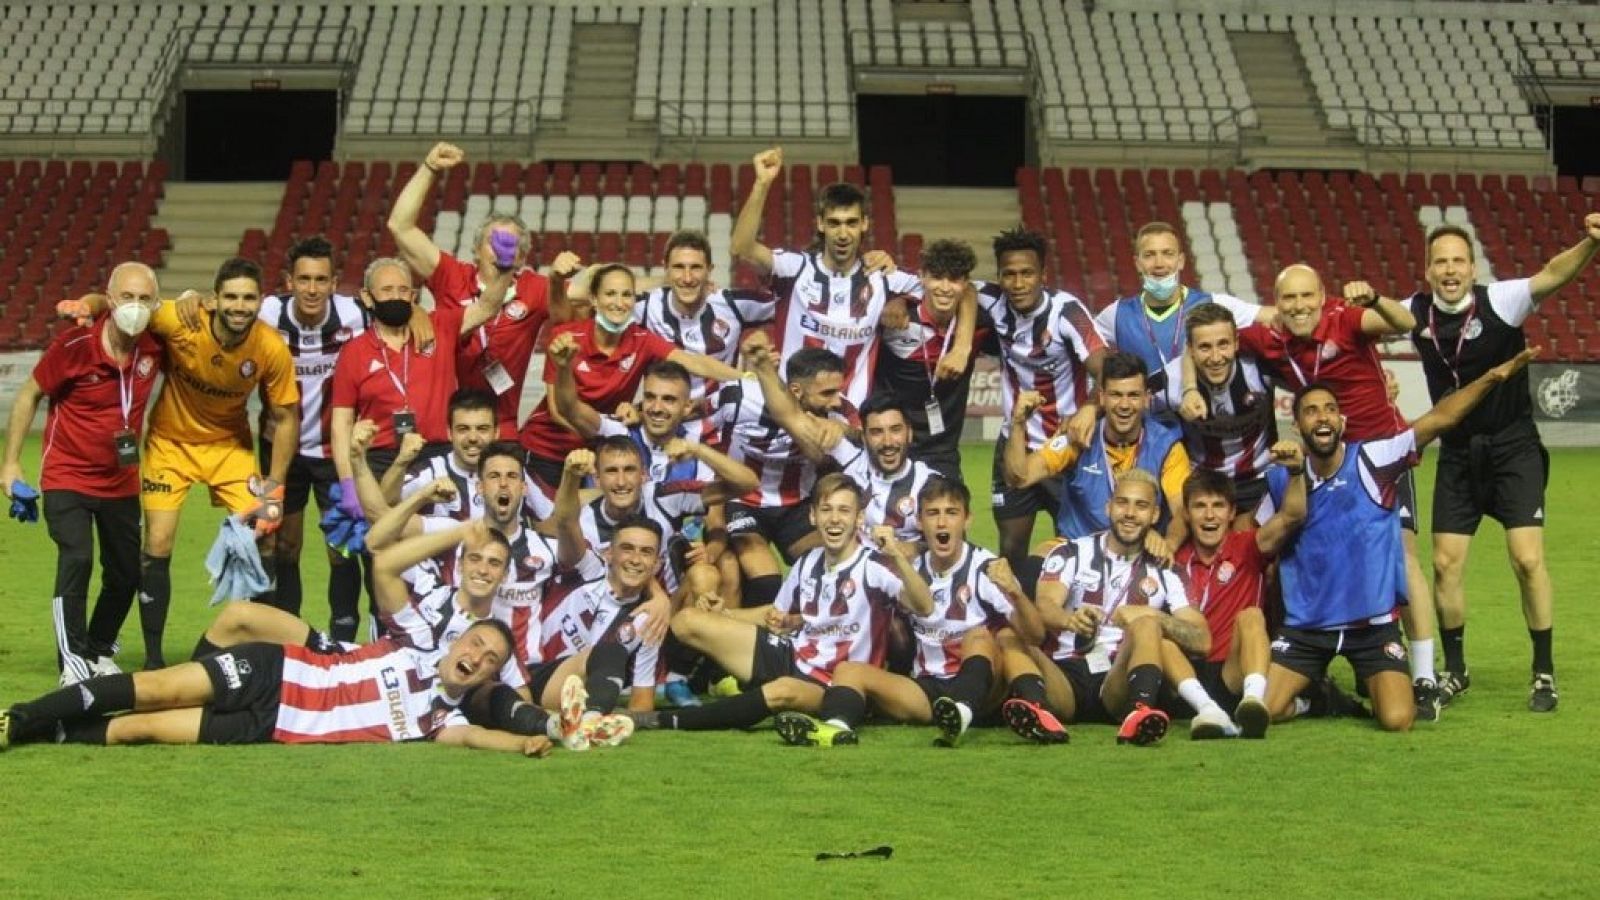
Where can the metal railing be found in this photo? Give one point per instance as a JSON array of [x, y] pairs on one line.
[[509, 129], [679, 118], [1526, 77]]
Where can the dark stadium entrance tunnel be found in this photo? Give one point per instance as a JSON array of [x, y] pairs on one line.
[[944, 140], [255, 135]]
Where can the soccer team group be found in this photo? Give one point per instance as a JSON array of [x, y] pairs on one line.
[[611, 563]]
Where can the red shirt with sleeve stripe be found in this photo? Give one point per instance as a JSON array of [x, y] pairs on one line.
[[383, 691], [511, 334], [1340, 355], [1230, 584], [604, 380], [369, 377], [85, 387]]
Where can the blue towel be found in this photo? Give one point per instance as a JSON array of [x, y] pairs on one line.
[[24, 502], [235, 564], [344, 534]]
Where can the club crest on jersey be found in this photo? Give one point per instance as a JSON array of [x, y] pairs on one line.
[[1473, 329], [1251, 400], [627, 363], [720, 328], [516, 311], [532, 562], [847, 588], [625, 632], [963, 594], [146, 368], [1225, 572], [906, 506], [310, 340], [1329, 350], [1149, 585], [1394, 650], [1054, 563], [343, 334], [247, 369]]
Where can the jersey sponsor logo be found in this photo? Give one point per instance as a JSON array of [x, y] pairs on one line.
[[310, 340], [836, 629], [392, 696], [146, 368], [199, 386], [826, 329], [154, 487], [230, 671], [1558, 395], [316, 370], [1225, 572], [1281, 645], [247, 369], [516, 311]]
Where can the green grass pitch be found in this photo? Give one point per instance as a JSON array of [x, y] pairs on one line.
[[1491, 801]]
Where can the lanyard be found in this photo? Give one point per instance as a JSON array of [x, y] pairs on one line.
[[405, 369], [1453, 364], [1205, 596], [1316, 369], [930, 365], [125, 384], [1150, 332]]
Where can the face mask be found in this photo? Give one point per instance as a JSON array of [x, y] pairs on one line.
[[131, 318], [392, 313], [1161, 288], [609, 326]]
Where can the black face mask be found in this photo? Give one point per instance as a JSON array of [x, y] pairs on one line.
[[392, 313]]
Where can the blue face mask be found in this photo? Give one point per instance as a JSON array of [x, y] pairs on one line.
[[606, 324], [1161, 288]]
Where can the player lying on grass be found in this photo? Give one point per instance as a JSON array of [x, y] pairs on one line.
[[954, 671], [833, 607], [1343, 576], [1120, 623]]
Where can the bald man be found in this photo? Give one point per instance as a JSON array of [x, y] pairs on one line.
[[1335, 344], [98, 377]]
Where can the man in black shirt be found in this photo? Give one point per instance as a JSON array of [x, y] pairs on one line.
[[1493, 462], [908, 358]]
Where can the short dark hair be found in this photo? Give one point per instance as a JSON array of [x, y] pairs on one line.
[[495, 625], [840, 195], [1206, 314], [942, 488], [1122, 364], [880, 402], [599, 277], [638, 520], [469, 400], [948, 259], [313, 247], [1018, 239], [510, 449], [666, 368], [694, 240], [1209, 482], [1448, 230], [1300, 395], [832, 483], [617, 443], [808, 362], [237, 267]]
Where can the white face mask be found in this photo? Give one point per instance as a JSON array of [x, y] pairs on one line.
[[1161, 288], [131, 318]]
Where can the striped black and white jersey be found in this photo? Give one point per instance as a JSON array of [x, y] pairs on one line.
[[714, 329], [315, 348], [1237, 434]]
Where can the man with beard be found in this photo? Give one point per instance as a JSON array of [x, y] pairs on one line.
[[1494, 463], [1128, 438], [471, 416], [1119, 622], [1344, 573], [973, 591]]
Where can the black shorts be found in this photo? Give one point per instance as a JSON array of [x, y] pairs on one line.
[[1503, 478], [246, 681], [1086, 703], [539, 676], [307, 474], [1371, 650], [1210, 676], [1024, 503], [782, 526], [1247, 494], [774, 659], [934, 688]]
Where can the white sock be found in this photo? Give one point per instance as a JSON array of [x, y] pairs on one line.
[[1301, 706], [1190, 690], [552, 728], [1422, 659], [1255, 685]]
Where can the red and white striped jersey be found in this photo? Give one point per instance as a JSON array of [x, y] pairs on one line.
[[755, 439], [1240, 427], [817, 308], [1044, 350], [605, 618], [891, 499], [435, 617], [845, 610], [535, 595], [714, 329], [1094, 576], [963, 599], [384, 691], [468, 504], [314, 348]]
